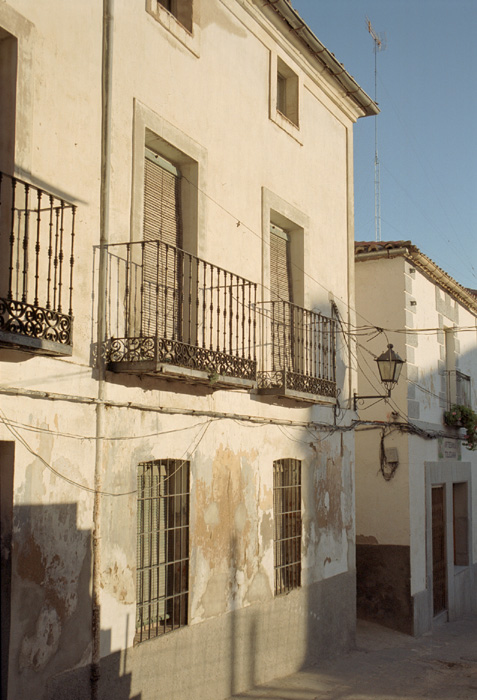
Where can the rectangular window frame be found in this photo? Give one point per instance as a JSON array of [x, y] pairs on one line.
[[463, 389], [163, 552], [285, 92], [287, 538], [180, 18]]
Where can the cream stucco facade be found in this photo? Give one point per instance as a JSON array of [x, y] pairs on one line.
[[409, 457], [258, 121]]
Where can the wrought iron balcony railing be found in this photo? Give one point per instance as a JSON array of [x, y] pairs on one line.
[[171, 312], [299, 352], [36, 264]]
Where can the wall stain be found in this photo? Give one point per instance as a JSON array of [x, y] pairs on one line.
[[226, 528], [328, 494]]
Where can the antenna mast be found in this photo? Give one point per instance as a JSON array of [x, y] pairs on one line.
[[379, 45]]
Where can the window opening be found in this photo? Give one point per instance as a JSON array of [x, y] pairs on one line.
[[287, 92], [181, 10], [162, 262], [287, 516], [281, 93], [162, 577], [462, 389], [281, 294]]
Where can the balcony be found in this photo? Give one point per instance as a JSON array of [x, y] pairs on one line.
[[174, 315], [36, 264], [299, 354]]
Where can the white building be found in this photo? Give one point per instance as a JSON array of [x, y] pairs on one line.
[[416, 483], [176, 244]]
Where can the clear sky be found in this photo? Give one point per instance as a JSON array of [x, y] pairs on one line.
[[427, 129]]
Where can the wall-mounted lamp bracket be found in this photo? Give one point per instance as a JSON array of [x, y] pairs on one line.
[[357, 398]]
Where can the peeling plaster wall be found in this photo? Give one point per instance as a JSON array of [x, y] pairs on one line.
[[237, 631], [231, 527]]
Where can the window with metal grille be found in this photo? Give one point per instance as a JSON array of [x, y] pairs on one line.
[[287, 518], [162, 579]]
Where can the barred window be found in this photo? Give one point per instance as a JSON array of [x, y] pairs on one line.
[[162, 578], [287, 516]]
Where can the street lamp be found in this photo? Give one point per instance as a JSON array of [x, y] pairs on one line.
[[389, 366]]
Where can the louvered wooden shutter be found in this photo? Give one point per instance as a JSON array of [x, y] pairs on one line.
[[281, 291], [162, 202], [280, 277], [161, 280]]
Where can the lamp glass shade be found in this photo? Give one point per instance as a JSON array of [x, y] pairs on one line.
[[389, 366]]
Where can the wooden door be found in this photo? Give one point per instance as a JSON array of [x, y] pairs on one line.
[[439, 567]]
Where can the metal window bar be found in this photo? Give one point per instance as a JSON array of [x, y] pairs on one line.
[[37, 231], [287, 524], [162, 573], [302, 347], [184, 311]]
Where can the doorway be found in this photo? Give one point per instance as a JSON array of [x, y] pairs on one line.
[[439, 565]]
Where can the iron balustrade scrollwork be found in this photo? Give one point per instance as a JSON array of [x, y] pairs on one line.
[[299, 352], [37, 232], [167, 306]]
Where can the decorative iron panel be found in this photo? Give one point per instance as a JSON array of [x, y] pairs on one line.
[[33, 321], [37, 231], [210, 325], [180, 354], [301, 351]]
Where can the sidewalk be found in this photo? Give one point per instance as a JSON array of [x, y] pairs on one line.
[[388, 665]]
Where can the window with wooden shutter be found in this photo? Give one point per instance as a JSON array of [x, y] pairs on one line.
[[162, 235], [281, 293], [280, 276]]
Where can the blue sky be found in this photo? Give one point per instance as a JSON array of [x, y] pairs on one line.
[[427, 129]]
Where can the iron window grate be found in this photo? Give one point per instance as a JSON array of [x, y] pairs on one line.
[[287, 523], [162, 578]]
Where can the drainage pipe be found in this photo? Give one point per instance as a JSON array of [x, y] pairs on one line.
[[106, 93]]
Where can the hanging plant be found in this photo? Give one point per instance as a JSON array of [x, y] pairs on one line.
[[463, 417]]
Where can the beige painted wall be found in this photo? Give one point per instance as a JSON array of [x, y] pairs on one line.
[[208, 96]]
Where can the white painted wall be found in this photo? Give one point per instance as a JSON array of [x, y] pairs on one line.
[[396, 295]]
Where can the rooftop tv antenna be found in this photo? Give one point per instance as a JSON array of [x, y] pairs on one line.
[[379, 45]]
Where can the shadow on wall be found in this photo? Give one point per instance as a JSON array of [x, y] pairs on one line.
[[243, 634], [113, 682], [46, 601]]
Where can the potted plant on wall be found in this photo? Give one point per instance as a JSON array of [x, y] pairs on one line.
[[461, 416]]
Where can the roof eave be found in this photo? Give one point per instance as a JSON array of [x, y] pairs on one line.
[[321, 53], [426, 265]]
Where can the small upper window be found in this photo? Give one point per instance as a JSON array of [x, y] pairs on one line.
[[181, 9], [287, 92]]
